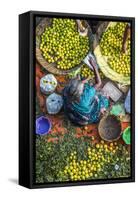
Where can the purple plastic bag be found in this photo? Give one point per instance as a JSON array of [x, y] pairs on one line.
[[128, 102]]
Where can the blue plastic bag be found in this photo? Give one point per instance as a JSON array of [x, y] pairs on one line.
[[128, 102]]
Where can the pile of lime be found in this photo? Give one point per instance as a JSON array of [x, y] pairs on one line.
[[111, 46], [62, 44], [100, 158], [86, 72]]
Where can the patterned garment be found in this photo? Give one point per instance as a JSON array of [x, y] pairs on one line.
[[89, 107]]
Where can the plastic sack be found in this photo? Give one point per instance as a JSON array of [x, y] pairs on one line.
[[54, 103], [48, 84], [127, 103], [117, 110]]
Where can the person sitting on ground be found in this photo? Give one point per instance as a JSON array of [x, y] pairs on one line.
[[83, 104]]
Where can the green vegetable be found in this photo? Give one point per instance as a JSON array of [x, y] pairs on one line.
[[51, 158], [74, 159], [103, 161]]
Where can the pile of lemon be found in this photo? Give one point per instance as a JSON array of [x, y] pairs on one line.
[[86, 72], [111, 46], [62, 44], [97, 157]]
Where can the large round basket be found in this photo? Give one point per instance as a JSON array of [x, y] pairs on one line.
[[51, 67], [102, 60], [109, 128]]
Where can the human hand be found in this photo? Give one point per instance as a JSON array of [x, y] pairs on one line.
[[103, 111], [92, 63], [85, 80]]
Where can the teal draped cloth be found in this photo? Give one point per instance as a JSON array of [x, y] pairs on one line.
[[90, 104]]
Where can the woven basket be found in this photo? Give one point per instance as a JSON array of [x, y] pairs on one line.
[[109, 128], [102, 60], [51, 67]]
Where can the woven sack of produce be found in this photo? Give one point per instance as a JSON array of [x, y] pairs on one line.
[[103, 60]]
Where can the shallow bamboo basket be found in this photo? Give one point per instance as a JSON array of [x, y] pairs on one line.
[[109, 128], [51, 67]]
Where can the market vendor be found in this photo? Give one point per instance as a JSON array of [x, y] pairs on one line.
[[83, 103]]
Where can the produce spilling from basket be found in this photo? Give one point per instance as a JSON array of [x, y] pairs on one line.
[[64, 151]]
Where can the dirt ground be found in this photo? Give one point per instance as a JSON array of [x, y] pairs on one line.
[[58, 127]]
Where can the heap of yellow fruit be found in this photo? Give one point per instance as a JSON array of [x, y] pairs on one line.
[[111, 46], [86, 72], [97, 157], [62, 44]]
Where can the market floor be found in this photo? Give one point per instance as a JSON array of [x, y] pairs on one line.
[[58, 128]]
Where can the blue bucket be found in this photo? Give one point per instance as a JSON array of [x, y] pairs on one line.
[[43, 125]]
